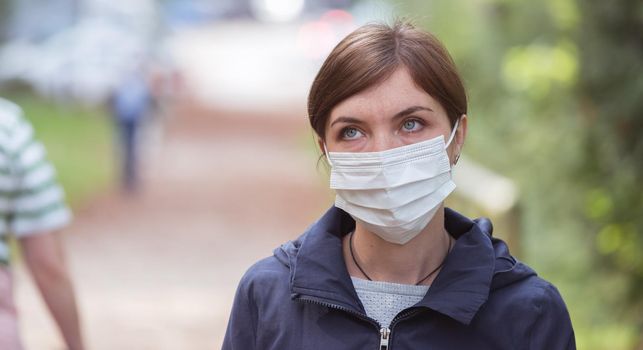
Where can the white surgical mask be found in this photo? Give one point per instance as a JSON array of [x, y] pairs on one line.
[[393, 193]]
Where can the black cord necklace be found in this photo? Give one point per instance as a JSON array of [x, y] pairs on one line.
[[350, 247]]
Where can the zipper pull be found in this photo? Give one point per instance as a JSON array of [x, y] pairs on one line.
[[384, 333]]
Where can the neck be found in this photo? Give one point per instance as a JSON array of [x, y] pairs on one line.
[[390, 262]]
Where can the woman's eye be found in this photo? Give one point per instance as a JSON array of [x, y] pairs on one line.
[[350, 133], [411, 125]]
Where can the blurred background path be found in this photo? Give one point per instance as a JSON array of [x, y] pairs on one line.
[[231, 174], [158, 271]]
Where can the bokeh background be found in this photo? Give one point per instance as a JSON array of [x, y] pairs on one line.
[[229, 169]]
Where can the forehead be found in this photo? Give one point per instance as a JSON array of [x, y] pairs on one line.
[[387, 98]]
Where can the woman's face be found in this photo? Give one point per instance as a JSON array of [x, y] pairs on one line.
[[392, 114]]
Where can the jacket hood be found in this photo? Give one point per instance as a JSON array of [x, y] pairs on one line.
[[476, 265]]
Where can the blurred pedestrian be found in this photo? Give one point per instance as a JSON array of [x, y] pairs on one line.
[[130, 103], [32, 209]]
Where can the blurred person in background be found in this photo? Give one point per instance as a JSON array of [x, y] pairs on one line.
[[33, 210], [131, 103], [388, 266]]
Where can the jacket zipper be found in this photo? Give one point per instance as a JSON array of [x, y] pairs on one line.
[[383, 331], [384, 335]]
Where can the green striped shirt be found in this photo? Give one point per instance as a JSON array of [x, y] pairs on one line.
[[31, 201]]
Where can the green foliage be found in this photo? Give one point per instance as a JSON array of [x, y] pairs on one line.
[[555, 92], [609, 89]]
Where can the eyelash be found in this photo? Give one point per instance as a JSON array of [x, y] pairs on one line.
[[416, 120], [342, 132]]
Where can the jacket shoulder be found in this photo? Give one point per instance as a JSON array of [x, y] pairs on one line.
[[264, 281], [539, 315], [545, 298], [522, 285], [552, 326], [264, 276]]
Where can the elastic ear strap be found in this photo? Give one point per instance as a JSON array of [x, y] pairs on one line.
[[455, 128], [326, 154]]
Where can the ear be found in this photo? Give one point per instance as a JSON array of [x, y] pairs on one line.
[[461, 133], [458, 140], [320, 144]]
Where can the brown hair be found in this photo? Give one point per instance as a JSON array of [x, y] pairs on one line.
[[370, 54]]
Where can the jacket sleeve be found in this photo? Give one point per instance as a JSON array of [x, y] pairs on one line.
[[552, 329], [242, 325]]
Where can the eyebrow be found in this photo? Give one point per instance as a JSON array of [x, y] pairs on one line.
[[411, 110], [401, 114], [347, 120]]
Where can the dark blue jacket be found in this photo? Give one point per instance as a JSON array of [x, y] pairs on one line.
[[303, 298]]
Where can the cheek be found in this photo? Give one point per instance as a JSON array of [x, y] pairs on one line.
[[428, 132], [435, 132], [358, 145]]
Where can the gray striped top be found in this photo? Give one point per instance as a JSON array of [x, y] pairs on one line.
[[31, 201]]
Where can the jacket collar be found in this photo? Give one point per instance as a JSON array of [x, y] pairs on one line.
[[463, 284], [318, 269]]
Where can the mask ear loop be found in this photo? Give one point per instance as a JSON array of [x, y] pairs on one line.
[[455, 128], [326, 154]]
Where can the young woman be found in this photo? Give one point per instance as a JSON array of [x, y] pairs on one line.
[[388, 267]]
